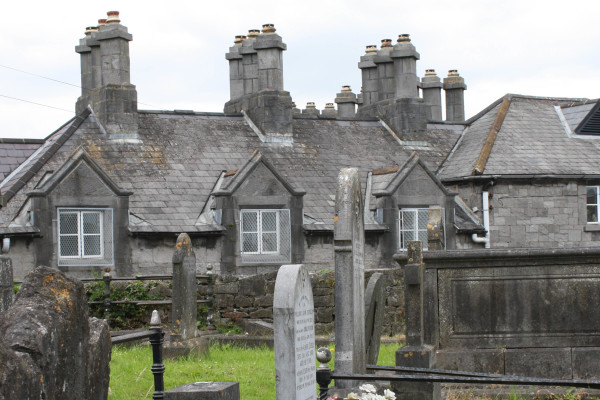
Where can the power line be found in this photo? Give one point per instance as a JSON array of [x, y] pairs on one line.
[[64, 83], [37, 104]]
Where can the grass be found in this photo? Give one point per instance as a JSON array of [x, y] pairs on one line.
[[253, 368]]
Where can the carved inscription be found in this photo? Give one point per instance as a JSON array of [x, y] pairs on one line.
[[304, 332]]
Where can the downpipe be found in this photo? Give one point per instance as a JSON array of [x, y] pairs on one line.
[[5, 245], [485, 198]]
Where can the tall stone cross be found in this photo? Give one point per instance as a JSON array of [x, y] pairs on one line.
[[349, 243]]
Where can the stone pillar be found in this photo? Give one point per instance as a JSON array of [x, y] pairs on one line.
[[416, 353], [455, 87], [236, 69], [346, 101], [369, 76], [349, 243], [386, 85], [250, 62], [432, 93], [6, 283], [405, 58], [311, 109], [269, 48]]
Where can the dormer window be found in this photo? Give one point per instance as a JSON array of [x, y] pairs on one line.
[[85, 236], [413, 226], [265, 235]]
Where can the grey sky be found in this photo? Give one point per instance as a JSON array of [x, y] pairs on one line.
[[543, 48]]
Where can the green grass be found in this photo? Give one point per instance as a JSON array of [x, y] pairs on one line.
[[253, 368]]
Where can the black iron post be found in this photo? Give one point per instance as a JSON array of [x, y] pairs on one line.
[[211, 299], [323, 372], [106, 278], [158, 368]]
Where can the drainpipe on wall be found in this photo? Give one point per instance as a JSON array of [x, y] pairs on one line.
[[5, 245], [485, 197]]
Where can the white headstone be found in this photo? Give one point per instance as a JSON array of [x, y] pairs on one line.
[[294, 328], [349, 244]]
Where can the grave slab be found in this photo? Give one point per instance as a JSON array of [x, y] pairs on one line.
[[205, 391]]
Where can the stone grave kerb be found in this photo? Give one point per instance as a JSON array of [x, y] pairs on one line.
[[294, 334], [349, 242]]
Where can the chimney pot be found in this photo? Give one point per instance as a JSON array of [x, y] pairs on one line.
[[101, 22], [113, 17], [90, 29], [329, 106], [268, 28], [310, 104], [386, 43], [346, 88], [239, 39], [253, 33], [453, 72], [371, 49], [430, 72], [404, 37]]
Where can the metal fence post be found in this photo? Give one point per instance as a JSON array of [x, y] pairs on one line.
[[211, 299], [106, 278], [323, 372], [158, 368]]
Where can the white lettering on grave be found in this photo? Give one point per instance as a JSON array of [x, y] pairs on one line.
[[304, 333]]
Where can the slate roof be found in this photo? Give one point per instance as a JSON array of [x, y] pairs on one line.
[[174, 162], [535, 139], [13, 152]]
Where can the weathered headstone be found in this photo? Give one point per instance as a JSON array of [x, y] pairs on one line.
[[6, 283], [205, 391], [50, 349], [416, 353], [349, 243], [293, 320], [184, 333], [374, 308]]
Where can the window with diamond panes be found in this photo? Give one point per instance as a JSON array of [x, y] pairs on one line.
[[592, 204], [413, 226], [85, 237], [265, 235]]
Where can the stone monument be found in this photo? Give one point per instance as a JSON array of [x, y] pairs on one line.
[[6, 283], [293, 320], [349, 243], [416, 353], [184, 338], [374, 308]]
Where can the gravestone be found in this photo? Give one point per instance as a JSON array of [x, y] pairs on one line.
[[50, 348], [416, 353], [6, 283], [349, 243], [205, 391], [294, 325], [374, 308], [184, 338]]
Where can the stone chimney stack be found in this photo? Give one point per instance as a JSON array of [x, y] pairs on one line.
[[346, 101], [270, 47], [236, 69], [386, 85], [329, 111], [105, 76], [369, 76], [455, 87], [264, 100], [311, 109], [405, 58], [250, 62], [432, 93]]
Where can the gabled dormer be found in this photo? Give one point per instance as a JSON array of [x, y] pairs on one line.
[[82, 214], [262, 212]]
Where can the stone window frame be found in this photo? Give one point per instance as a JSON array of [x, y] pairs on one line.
[[106, 256], [261, 255]]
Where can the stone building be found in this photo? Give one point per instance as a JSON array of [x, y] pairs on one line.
[[254, 186]]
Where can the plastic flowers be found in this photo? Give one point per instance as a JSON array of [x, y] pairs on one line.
[[369, 392]]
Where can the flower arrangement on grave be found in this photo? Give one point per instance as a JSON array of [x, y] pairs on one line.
[[368, 392]]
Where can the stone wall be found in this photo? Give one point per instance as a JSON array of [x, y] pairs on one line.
[[547, 214], [243, 298]]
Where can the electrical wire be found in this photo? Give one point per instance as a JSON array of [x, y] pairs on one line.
[[58, 81], [37, 104]]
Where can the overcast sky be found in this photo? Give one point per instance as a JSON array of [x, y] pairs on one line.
[[542, 48]]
